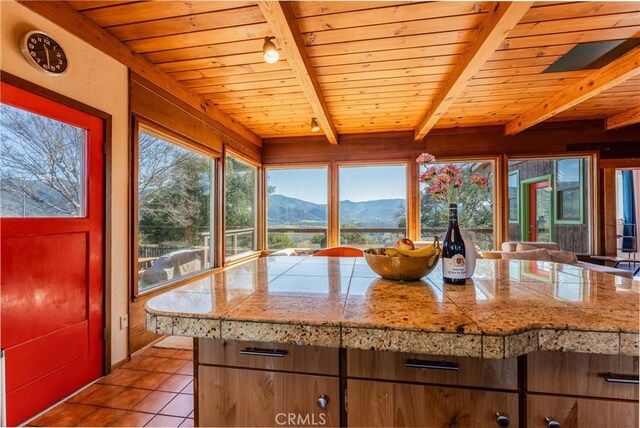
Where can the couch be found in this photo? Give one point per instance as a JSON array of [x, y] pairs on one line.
[[564, 256]]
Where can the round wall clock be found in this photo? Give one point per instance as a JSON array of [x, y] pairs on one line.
[[43, 52]]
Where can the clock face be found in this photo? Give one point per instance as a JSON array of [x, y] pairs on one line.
[[44, 53]]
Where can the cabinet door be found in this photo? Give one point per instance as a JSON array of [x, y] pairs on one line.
[[241, 397], [580, 412], [384, 404]]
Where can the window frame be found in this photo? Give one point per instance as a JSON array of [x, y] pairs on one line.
[[335, 189], [266, 170], [140, 124], [259, 190], [556, 192], [498, 178], [592, 197], [518, 196]]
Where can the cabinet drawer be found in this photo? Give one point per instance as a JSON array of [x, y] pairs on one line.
[[570, 373], [573, 412], [476, 372], [269, 356], [387, 404], [244, 397]]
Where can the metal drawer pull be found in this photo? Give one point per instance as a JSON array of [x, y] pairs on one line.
[[614, 378], [502, 420], [263, 352], [435, 365], [323, 401], [552, 423]]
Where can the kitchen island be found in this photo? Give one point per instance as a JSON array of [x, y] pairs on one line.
[[310, 338]]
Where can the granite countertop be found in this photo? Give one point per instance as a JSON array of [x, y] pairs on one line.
[[509, 308]]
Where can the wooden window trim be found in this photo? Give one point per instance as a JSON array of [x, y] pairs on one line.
[[140, 124]]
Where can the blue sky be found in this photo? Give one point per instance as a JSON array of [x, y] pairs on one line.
[[356, 183]]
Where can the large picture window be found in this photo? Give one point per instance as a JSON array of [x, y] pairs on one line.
[[240, 207], [475, 206], [373, 205], [297, 208], [552, 207], [174, 210]]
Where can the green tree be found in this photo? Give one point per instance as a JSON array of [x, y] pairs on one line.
[[278, 240]]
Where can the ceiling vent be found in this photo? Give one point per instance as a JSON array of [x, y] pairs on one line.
[[593, 55]]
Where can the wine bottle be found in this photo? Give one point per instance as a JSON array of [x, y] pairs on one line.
[[453, 252]]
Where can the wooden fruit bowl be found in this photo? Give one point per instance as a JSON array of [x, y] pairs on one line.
[[399, 268]]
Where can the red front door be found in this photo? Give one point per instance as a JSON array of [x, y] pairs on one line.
[[540, 212], [51, 243]]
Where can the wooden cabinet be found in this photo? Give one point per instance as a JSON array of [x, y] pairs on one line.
[[588, 375], [398, 366], [243, 397], [581, 390], [573, 412], [385, 404], [400, 389], [269, 356]]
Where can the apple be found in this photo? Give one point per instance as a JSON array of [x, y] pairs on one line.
[[405, 244]]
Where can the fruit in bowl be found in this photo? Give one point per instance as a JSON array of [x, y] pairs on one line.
[[405, 244], [403, 265]]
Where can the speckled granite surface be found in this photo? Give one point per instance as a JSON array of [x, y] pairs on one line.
[[509, 308]]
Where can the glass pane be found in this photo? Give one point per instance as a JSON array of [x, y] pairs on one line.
[[174, 211], [543, 214], [567, 221], [240, 215], [41, 166], [297, 208], [373, 205], [514, 189], [568, 189], [475, 204]]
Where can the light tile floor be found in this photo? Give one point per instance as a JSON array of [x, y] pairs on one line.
[[154, 389]]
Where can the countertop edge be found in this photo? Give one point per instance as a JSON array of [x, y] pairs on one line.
[[398, 340]]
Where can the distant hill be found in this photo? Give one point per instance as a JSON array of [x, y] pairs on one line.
[[286, 211], [13, 203]]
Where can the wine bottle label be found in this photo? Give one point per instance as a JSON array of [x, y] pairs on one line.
[[455, 267]]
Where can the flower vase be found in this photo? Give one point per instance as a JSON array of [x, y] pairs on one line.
[[470, 252]]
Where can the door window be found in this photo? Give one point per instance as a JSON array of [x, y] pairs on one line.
[[41, 166]]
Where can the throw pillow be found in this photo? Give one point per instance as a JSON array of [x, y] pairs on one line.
[[539, 255], [525, 247], [562, 256]]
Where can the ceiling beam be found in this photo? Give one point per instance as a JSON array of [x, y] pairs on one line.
[[281, 19], [63, 15], [612, 74], [500, 21], [629, 117]]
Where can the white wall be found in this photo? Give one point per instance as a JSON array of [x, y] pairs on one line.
[[97, 80]]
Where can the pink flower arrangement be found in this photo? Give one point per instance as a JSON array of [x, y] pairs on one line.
[[444, 183]]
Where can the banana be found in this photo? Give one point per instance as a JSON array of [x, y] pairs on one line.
[[429, 250]]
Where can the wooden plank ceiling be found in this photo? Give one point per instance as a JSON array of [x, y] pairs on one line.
[[379, 65]]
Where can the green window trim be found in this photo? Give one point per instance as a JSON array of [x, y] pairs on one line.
[[518, 198], [555, 204], [524, 191]]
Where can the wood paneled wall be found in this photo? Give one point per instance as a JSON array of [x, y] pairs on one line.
[[547, 138]]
